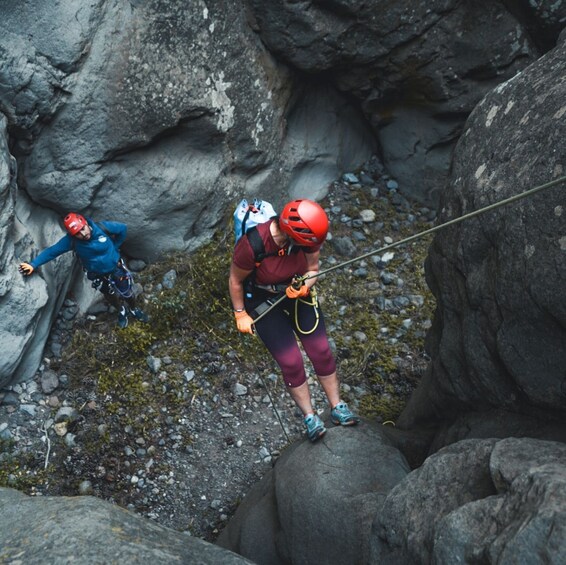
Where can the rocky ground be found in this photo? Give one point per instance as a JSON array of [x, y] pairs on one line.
[[178, 418]]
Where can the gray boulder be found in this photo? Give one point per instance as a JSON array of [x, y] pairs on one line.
[[478, 501], [26, 305], [160, 114], [85, 530], [497, 423], [417, 69], [156, 114], [318, 503], [500, 324]]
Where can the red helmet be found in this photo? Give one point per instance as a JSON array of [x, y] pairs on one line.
[[74, 223], [304, 221]]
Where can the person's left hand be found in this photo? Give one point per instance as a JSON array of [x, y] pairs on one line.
[[300, 292], [244, 322]]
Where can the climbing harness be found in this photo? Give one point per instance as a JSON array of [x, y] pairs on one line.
[[119, 282], [530, 192], [123, 283], [266, 305]]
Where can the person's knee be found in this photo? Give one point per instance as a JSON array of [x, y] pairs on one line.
[[293, 371], [326, 368]]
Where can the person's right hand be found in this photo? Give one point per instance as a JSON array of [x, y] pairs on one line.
[[244, 322], [300, 292], [26, 269]]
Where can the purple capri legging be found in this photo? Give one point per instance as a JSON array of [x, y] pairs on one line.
[[279, 332]]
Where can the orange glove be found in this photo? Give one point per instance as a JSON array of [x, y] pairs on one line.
[[26, 269], [244, 322], [300, 292]]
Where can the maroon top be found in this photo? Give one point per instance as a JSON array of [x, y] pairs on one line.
[[273, 269]]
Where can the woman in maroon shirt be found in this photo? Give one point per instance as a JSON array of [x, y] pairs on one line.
[[292, 247]]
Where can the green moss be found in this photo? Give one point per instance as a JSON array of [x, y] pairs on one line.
[[20, 470], [135, 340], [384, 407], [193, 324]]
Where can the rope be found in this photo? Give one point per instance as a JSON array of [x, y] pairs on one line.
[[274, 407], [272, 401], [442, 226], [314, 303], [414, 237]]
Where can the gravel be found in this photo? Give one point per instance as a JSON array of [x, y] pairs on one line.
[[192, 461]]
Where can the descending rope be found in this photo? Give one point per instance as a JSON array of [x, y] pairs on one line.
[[414, 237]]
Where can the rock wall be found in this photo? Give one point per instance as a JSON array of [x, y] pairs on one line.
[[350, 499], [477, 501], [26, 306], [318, 503], [150, 111], [157, 114], [417, 69], [500, 324]]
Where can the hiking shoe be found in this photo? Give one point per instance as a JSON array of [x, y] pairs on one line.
[[343, 416], [139, 314], [123, 318], [315, 427]]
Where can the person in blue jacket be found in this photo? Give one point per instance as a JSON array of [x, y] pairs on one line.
[[98, 249]]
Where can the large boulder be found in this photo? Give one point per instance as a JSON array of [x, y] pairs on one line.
[[85, 530], [160, 113], [318, 503], [500, 323], [157, 114], [417, 68], [496, 423], [27, 306], [478, 501]]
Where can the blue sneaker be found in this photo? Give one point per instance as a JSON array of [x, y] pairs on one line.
[[123, 318], [343, 416], [315, 427], [139, 314]]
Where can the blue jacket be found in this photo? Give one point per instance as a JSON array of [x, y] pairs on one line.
[[100, 254]]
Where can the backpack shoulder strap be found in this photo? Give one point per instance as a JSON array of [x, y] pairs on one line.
[[257, 245], [259, 248]]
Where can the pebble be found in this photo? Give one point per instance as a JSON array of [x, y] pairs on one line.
[[85, 488], [368, 216], [53, 401], [210, 416], [169, 279], [154, 363], [360, 336], [66, 413], [60, 428], [29, 409], [350, 178]]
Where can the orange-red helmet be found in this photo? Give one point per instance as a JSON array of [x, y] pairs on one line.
[[305, 222], [74, 223]]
